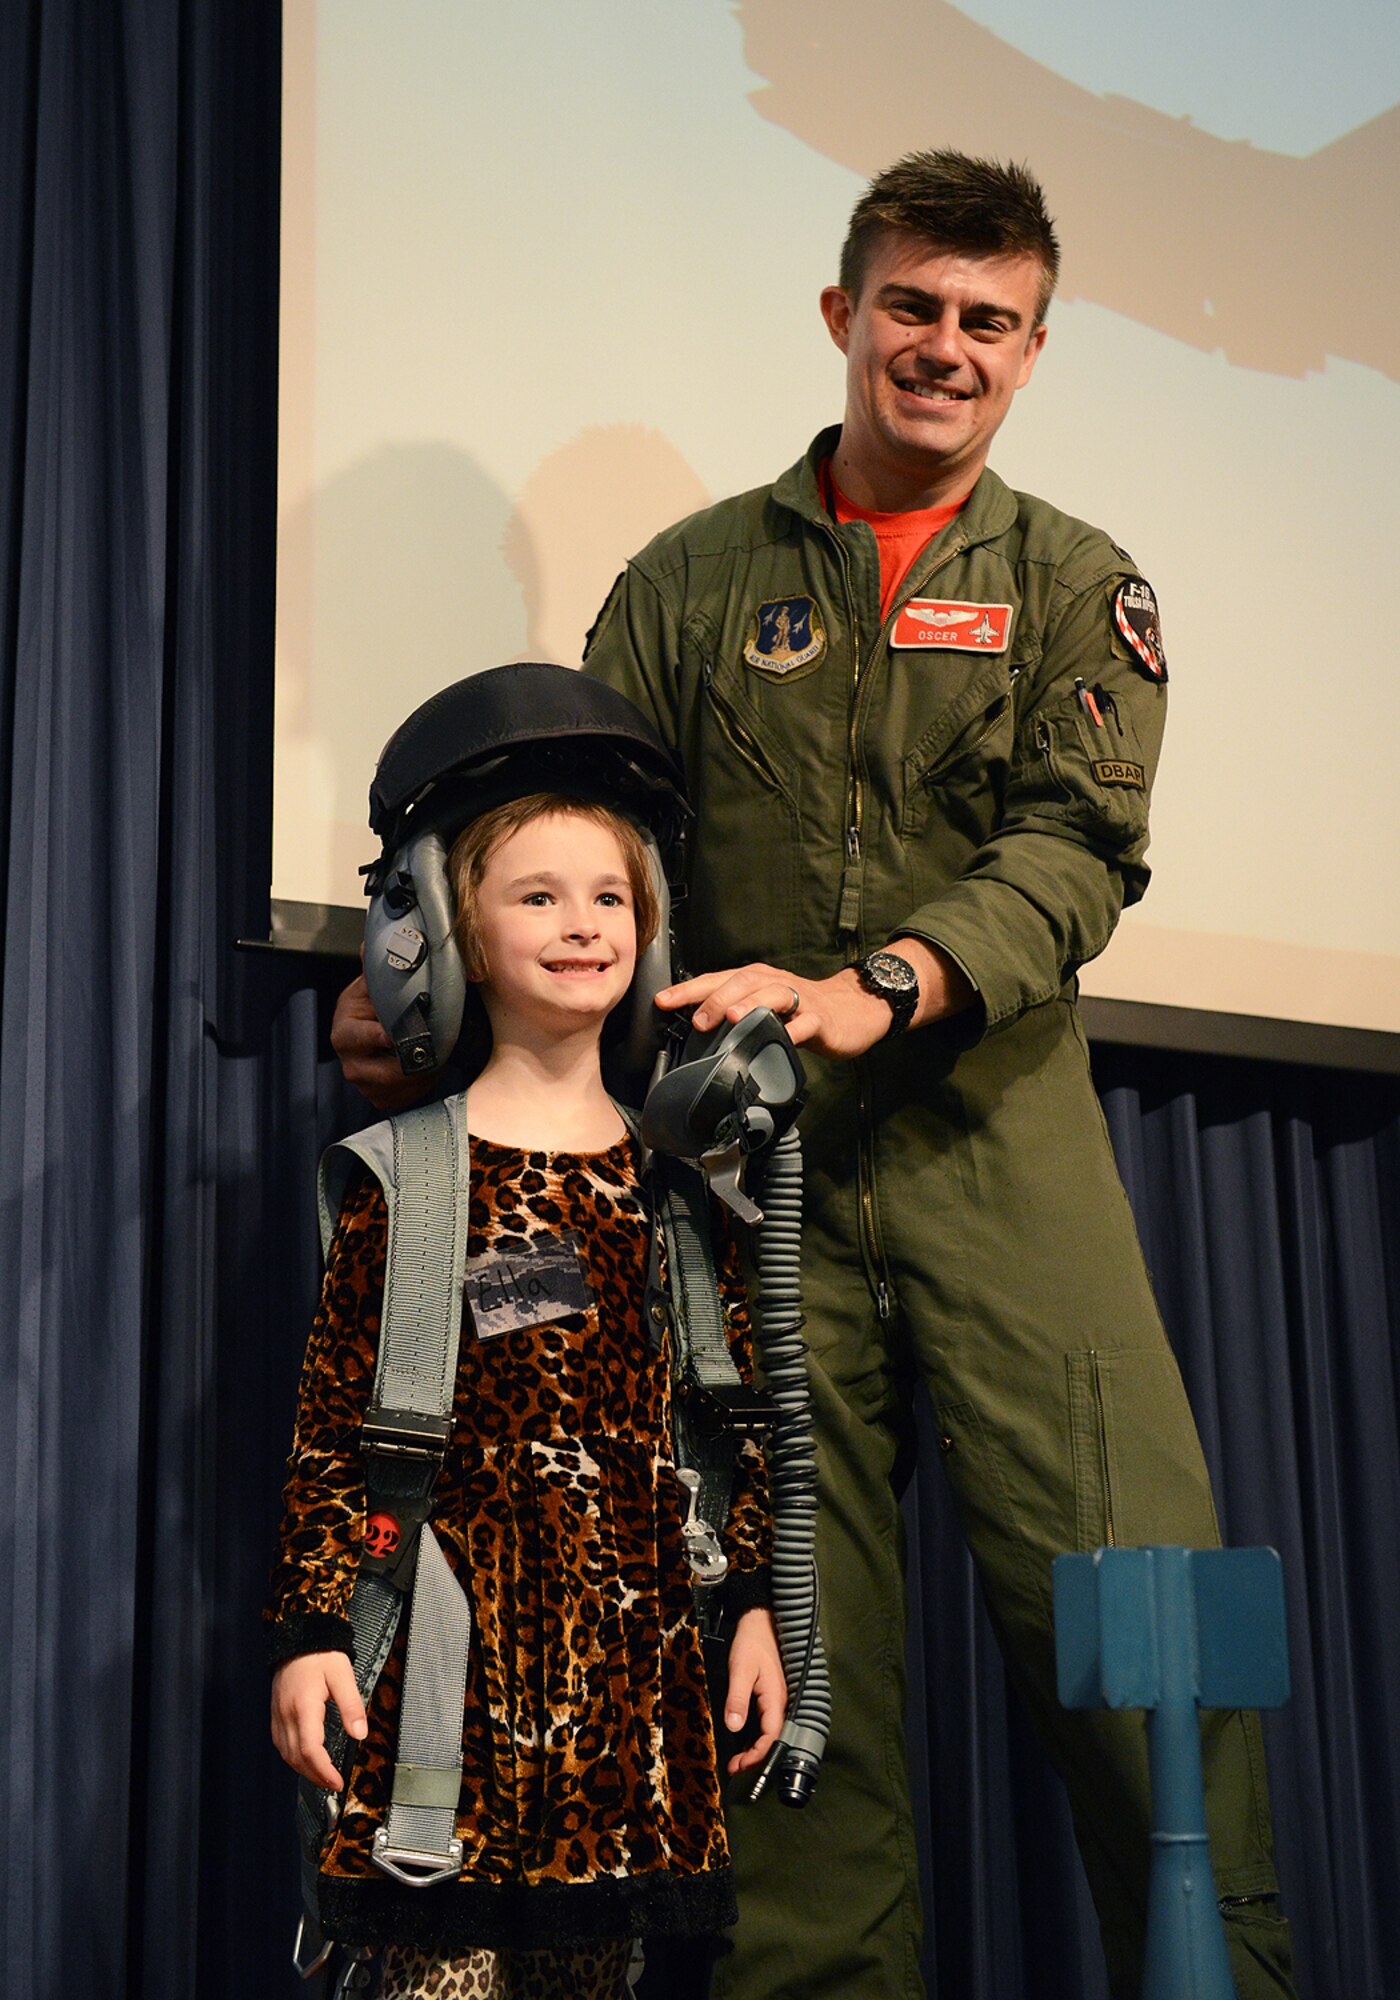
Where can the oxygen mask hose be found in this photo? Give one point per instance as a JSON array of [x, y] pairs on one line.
[[718, 1099], [792, 1475]]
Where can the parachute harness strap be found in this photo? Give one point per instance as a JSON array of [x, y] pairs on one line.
[[422, 1161], [405, 1438], [702, 1368]]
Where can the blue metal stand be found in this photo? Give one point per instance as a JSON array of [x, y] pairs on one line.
[[1174, 1630]]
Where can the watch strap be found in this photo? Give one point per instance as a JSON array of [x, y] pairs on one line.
[[878, 975]]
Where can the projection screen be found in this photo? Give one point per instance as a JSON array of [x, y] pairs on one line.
[[549, 281]]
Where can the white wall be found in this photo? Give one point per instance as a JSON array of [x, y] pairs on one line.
[[550, 280]]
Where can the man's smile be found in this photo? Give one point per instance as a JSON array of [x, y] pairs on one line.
[[930, 392]]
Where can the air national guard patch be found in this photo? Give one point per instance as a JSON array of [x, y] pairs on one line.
[[925, 624], [786, 634], [1136, 615]]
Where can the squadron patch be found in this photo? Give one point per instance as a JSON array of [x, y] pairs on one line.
[[786, 633], [1136, 615], [925, 624]]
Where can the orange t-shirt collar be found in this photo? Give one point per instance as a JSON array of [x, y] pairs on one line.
[[900, 538]]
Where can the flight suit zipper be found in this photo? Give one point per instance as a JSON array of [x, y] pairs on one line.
[[734, 731], [959, 749], [872, 1252], [848, 924], [1101, 1416], [848, 912], [1044, 742], [848, 907]]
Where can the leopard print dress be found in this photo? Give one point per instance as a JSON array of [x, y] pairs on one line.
[[590, 1804]]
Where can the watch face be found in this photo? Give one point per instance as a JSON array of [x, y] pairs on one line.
[[888, 970]]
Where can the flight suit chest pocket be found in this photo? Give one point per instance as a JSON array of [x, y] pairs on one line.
[[962, 778], [732, 732], [745, 899]]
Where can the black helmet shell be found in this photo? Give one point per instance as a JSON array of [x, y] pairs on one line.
[[510, 730], [496, 736]]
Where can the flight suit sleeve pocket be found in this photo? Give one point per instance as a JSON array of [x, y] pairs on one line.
[[1139, 1476], [1091, 775]]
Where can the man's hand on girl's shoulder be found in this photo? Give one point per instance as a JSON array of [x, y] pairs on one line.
[[367, 1056]]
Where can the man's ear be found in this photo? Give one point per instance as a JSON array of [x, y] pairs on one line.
[[836, 311], [1032, 355]]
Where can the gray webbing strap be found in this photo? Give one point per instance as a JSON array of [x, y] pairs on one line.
[[374, 1619], [416, 1376], [417, 1844], [701, 1347], [417, 1366], [687, 1225], [705, 1465], [422, 1161]]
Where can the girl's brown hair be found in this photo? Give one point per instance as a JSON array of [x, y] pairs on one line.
[[472, 850]]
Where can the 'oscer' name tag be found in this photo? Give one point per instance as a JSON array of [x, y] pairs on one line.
[[926, 623], [509, 1289]]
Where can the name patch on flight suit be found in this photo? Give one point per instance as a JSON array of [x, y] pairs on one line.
[[925, 624], [1136, 615], [1114, 771], [786, 634]]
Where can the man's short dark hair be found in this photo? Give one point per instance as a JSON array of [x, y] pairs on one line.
[[980, 207]]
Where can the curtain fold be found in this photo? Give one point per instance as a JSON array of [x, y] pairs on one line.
[[163, 1100], [139, 255]]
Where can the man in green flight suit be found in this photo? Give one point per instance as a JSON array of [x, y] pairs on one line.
[[919, 716]]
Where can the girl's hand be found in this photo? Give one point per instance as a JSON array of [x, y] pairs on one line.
[[755, 1674], [300, 1691]]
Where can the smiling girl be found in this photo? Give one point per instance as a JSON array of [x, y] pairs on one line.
[[589, 1810]]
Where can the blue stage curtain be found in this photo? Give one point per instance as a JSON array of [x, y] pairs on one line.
[[1268, 1199], [157, 1104], [163, 1099]]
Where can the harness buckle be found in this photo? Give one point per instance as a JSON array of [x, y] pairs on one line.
[[416, 1867], [728, 1409], [405, 1434], [310, 1948], [708, 1562]]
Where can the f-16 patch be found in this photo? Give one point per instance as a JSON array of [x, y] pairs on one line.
[[926, 623], [786, 634], [1136, 615]]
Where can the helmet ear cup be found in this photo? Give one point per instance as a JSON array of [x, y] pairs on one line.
[[413, 968], [631, 1058]]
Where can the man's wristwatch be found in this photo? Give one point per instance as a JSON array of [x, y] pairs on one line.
[[892, 978]]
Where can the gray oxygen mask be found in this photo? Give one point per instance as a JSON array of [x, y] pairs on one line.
[[723, 1095]]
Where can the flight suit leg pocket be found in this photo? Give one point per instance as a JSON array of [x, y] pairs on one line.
[[1139, 1474]]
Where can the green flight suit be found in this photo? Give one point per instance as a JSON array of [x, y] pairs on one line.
[[964, 1217]]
